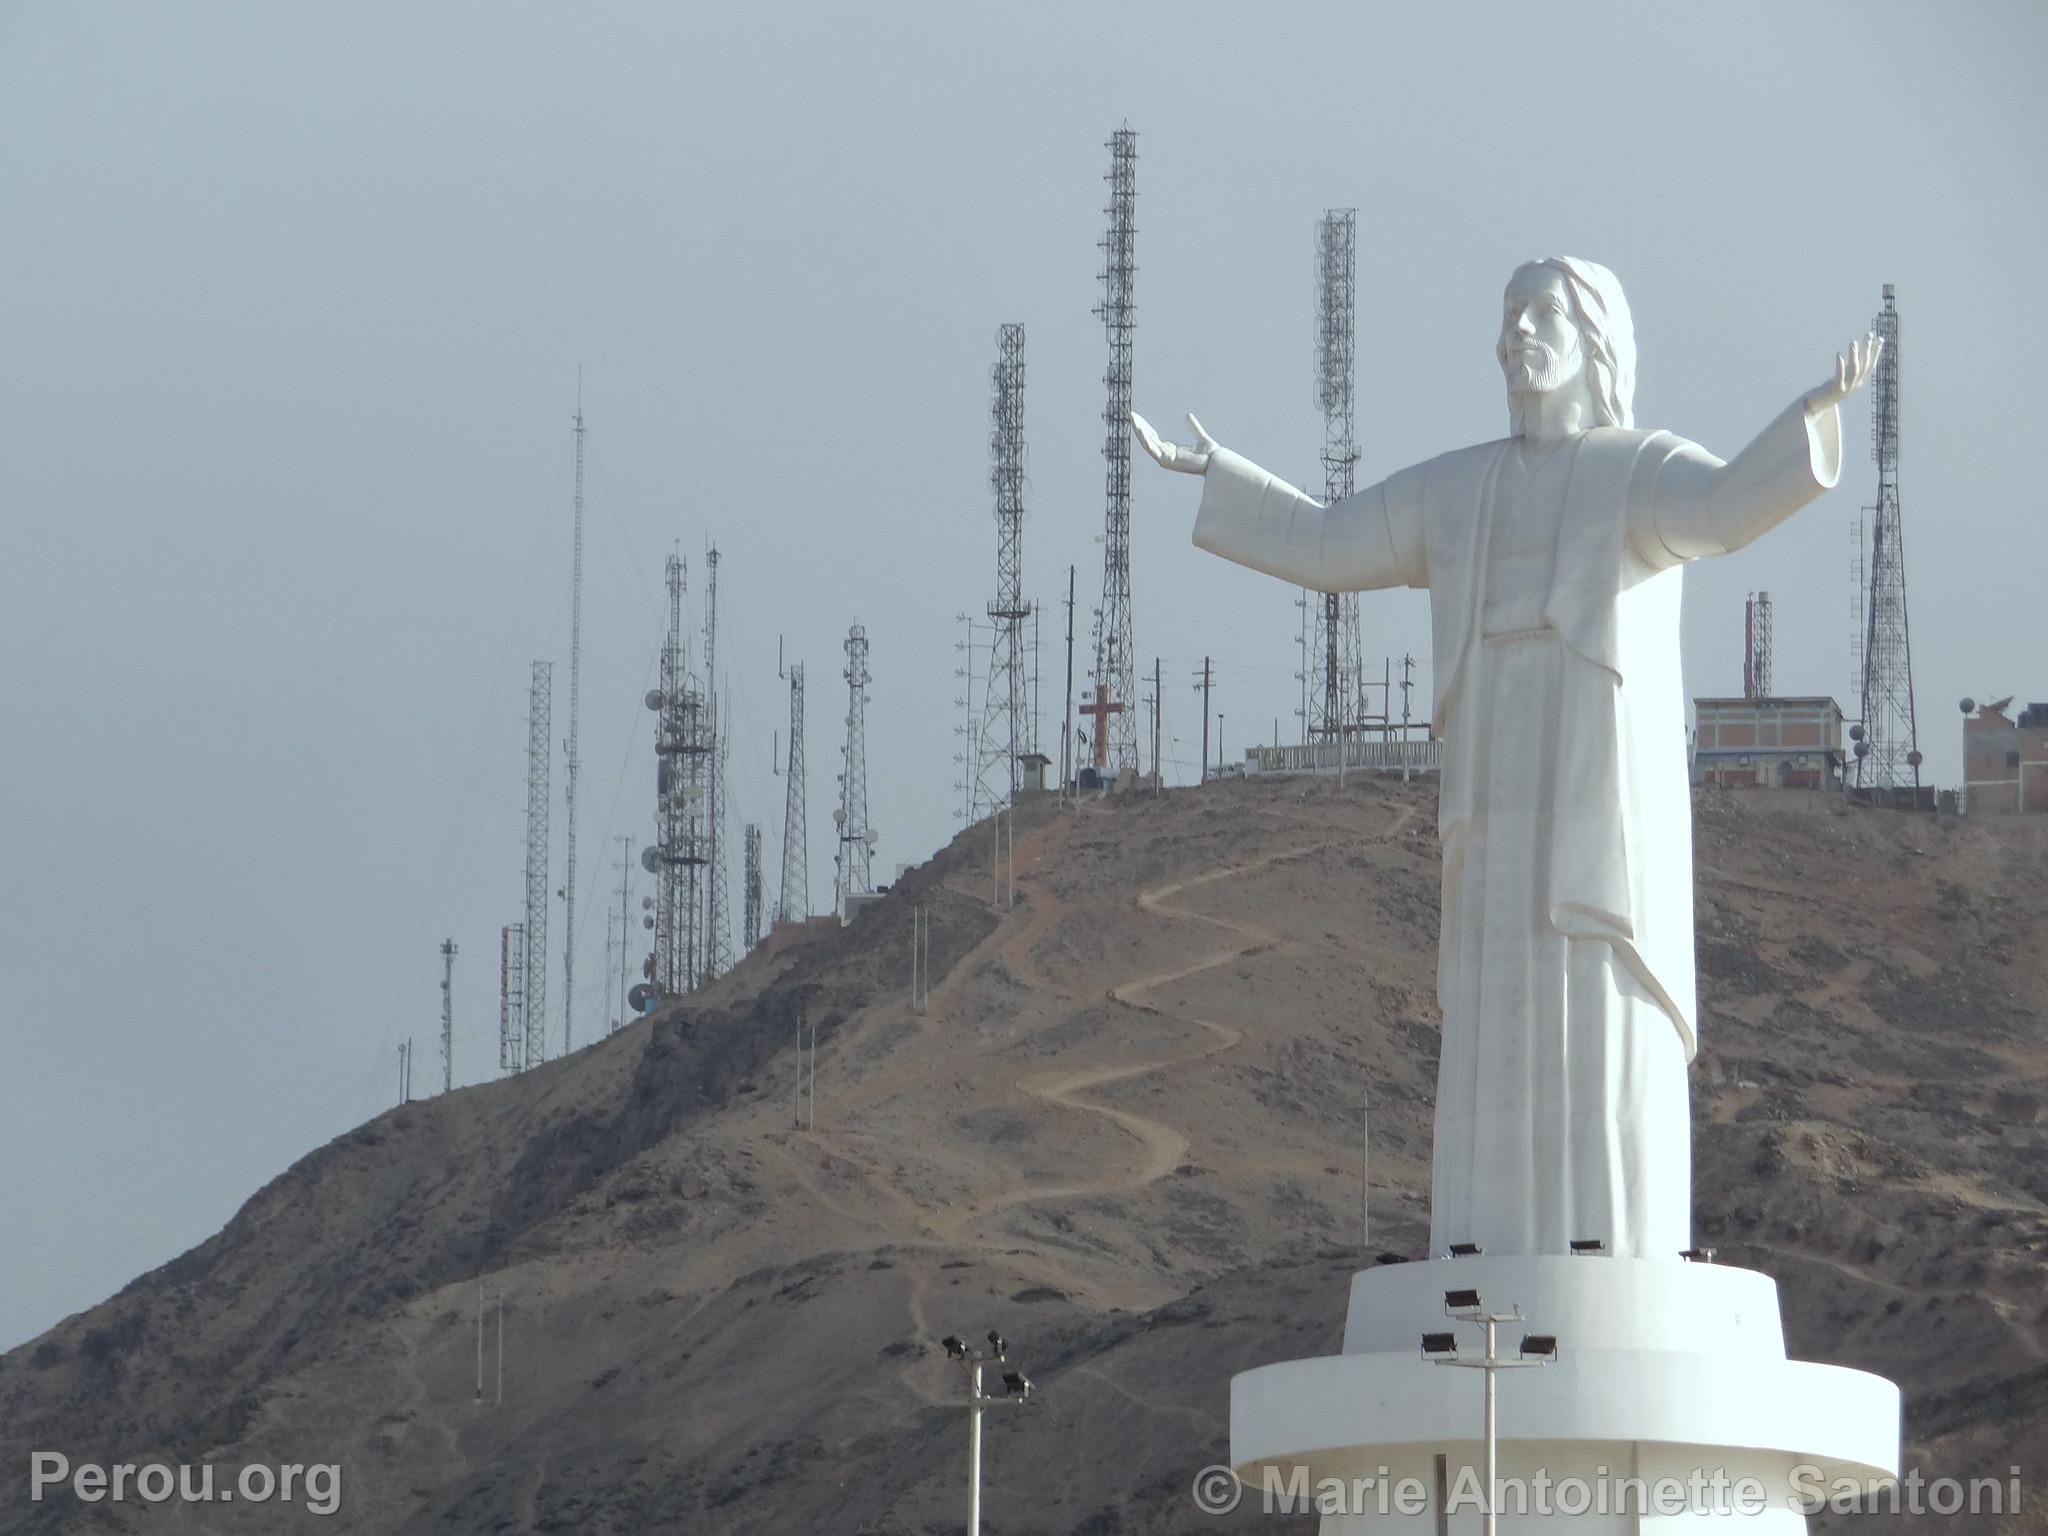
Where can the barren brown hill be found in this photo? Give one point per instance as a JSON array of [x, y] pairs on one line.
[[1129, 1132]]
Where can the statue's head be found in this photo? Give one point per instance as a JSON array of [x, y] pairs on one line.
[[1565, 325]]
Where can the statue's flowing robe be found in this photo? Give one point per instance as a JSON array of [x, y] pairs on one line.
[[1565, 969]]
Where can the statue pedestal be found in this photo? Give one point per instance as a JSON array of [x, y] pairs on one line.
[[1666, 1370]]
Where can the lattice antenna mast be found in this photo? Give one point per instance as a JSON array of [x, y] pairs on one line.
[[795, 897], [671, 799], [1342, 705], [750, 841], [511, 1001], [1115, 654], [534, 962], [569, 744], [856, 837], [717, 925], [1007, 732], [1756, 646], [447, 1015], [1888, 750]]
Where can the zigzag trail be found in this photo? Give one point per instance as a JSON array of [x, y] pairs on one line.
[[1165, 1147]]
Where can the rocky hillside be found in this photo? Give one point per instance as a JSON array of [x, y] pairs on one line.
[[1128, 1132]]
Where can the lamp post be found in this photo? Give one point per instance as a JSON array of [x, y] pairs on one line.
[[1442, 1349], [1016, 1388]]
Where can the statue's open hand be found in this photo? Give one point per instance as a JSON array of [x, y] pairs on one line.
[[1189, 461], [1852, 369]]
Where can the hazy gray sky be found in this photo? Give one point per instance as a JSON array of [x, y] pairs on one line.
[[295, 298]]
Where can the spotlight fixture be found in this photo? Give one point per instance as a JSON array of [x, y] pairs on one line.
[[1466, 1250], [1439, 1344], [1539, 1346], [955, 1346], [1588, 1245], [1393, 1258], [1697, 1255], [1461, 1301], [995, 1342], [1016, 1383]]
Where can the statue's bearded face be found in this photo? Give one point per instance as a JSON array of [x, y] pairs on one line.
[[1539, 348]]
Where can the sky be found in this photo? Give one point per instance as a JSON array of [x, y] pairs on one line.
[[293, 309]]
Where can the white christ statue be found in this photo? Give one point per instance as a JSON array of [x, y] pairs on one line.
[[1553, 560]]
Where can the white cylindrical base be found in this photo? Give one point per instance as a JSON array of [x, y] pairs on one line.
[[1670, 1403]]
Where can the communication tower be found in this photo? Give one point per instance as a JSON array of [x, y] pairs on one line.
[[447, 1015], [1756, 646], [750, 930], [1887, 742], [569, 743], [795, 897], [717, 936], [511, 997], [1115, 655], [856, 838], [1332, 665], [1005, 730], [533, 979]]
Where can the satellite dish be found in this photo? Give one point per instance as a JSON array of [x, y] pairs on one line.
[[650, 859], [1913, 758], [640, 997], [646, 903], [1863, 749], [646, 922], [654, 698], [1855, 733], [1997, 706], [1969, 705]]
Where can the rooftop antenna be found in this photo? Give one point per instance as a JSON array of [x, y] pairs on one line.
[[1756, 646], [569, 743], [533, 979], [1115, 666]]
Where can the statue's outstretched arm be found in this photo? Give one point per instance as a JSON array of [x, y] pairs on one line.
[[1695, 505], [1368, 540]]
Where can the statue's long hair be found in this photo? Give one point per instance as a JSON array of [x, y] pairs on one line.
[[1607, 335]]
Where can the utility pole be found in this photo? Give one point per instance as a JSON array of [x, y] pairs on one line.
[[569, 744], [447, 1015], [1203, 682], [1016, 1389], [1157, 698], [479, 1341], [1442, 1349], [405, 1071]]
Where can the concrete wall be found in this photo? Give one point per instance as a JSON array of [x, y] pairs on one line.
[[1770, 743]]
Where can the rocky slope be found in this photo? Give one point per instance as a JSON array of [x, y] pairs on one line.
[[1129, 1133]]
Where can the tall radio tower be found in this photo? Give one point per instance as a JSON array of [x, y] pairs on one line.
[[1332, 665], [750, 927], [667, 860], [447, 1015], [533, 980], [1115, 661], [717, 941], [1004, 730], [1888, 746], [853, 876], [794, 900], [569, 743]]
